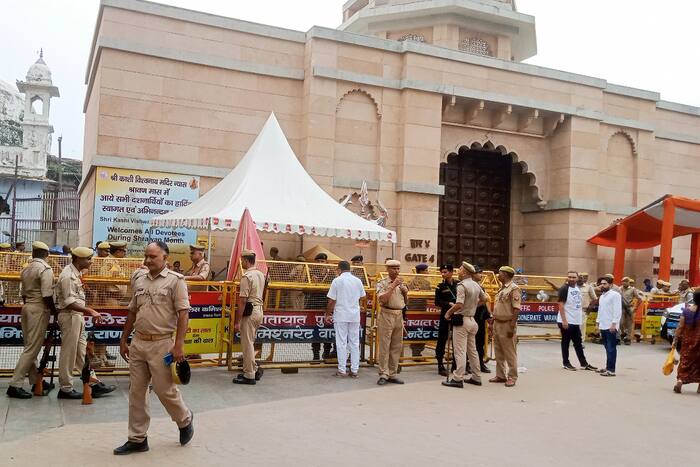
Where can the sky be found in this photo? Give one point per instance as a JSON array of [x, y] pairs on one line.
[[648, 45]]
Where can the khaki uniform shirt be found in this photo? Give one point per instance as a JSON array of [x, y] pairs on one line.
[[419, 284], [69, 288], [253, 286], [686, 295], [158, 300], [587, 295], [628, 294], [396, 300], [200, 271], [507, 304], [37, 281], [468, 294]]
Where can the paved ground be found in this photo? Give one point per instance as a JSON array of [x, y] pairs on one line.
[[552, 417]]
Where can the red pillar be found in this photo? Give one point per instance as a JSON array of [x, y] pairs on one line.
[[667, 240], [619, 264], [694, 268]]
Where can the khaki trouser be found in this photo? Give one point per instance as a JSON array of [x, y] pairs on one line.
[[627, 324], [35, 320], [145, 365], [73, 345], [249, 330], [464, 342], [390, 334], [296, 299], [504, 347]]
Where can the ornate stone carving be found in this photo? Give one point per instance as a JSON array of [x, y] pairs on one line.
[[363, 207]]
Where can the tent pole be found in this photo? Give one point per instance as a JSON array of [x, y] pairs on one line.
[[667, 240], [693, 271], [619, 262], [209, 243]]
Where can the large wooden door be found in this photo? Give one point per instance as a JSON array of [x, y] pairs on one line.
[[475, 209]]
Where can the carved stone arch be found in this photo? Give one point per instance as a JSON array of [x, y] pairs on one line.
[[488, 145], [37, 105], [365, 93], [628, 137]]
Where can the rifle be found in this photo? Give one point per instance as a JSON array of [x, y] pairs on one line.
[[49, 355], [85, 375]]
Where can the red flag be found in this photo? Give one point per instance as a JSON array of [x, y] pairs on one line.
[[246, 239]]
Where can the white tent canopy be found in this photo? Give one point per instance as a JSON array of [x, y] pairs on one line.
[[280, 195]]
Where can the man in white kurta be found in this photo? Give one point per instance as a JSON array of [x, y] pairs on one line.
[[344, 302]]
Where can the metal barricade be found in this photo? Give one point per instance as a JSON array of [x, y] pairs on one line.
[[293, 333], [653, 309], [108, 291]]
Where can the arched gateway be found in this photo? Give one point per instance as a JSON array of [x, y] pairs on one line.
[[475, 209]]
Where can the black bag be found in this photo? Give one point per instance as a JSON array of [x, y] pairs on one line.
[[248, 309], [457, 320]]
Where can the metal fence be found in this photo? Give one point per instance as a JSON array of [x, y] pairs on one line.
[[42, 217]]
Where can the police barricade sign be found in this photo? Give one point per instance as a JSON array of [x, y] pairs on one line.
[[422, 326], [651, 326], [204, 329], [10, 326], [299, 327], [202, 335], [538, 313]]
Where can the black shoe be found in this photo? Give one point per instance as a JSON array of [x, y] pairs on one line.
[[589, 367], [259, 374], [110, 356], [381, 381], [473, 381], [485, 369], [46, 387], [569, 367], [240, 379], [73, 394], [453, 384], [442, 371], [101, 389], [187, 433], [628, 342], [18, 393], [394, 381], [130, 446]]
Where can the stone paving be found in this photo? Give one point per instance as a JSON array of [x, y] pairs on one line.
[[312, 418]]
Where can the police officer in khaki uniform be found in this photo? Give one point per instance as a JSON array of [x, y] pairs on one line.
[[392, 294], [249, 316], [505, 316], [102, 250], [469, 295], [72, 309], [630, 297], [37, 294], [159, 307], [200, 270]]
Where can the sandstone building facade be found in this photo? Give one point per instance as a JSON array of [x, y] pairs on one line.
[[474, 154]]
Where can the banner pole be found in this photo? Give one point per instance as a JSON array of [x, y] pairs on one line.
[[209, 243]]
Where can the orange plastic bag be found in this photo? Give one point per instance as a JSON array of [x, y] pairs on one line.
[[670, 362]]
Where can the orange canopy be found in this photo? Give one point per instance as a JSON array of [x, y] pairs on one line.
[[644, 226], [656, 224]]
